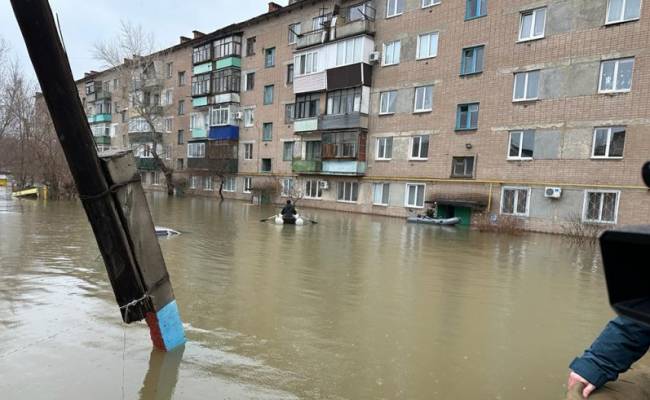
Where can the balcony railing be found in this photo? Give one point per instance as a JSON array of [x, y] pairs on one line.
[[102, 140], [93, 119], [305, 125], [344, 167], [225, 132], [354, 28], [343, 121], [144, 137], [214, 165], [310, 83], [311, 38], [139, 84], [306, 166], [145, 164]]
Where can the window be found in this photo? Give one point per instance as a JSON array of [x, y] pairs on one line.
[[318, 23], [415, 195], [526, 86], [313, 189], [361, 11], [287, 151], [229, 46], [201, 54], [340, 144], [380, 194], [180, 137], [307, 106], [196, 150], [248, 151], [472, 60], [427, 45], [387, 102], [249, 117], [462, 167], [168, 97], [532, 24], [167, 124], [392, 52], [307, 63], [181, 107], [429, 3], [467, 116], [294, 31], [269, 57], [394, 8], [268, 94], [219, 116], [181, 78], [248, 184], [250, 46], [347, 192], [287, 187], [226, 81], [608, 142], [313, 150], [267, 131], [346, 101], [475, 9], [229, 184], [250, 81], [195, 182], [384, 148], [419, 147], [423, 99], [616, 75], [196, 121], [349, 51], [288, 113], [623, 10], [600, 206], [169, 68], [522, 144], [515, 201], [289, 74], [207, 183], [200, 84], [266, 165], [179, 164]]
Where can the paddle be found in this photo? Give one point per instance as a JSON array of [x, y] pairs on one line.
[[266, 219]]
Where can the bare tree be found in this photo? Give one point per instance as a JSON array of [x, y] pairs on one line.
[[131, 57]]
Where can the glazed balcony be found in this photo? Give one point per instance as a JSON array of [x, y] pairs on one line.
[[97, 118], [145, 164], [224, 132], [306, 166], [310, 83], [347, 76], [343, 121], [229, 62], [102, 140]]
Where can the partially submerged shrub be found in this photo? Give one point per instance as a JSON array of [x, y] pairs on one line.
[[581, 233], [500, 224]]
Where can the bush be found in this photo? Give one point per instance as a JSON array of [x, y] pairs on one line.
[[581, 233], [501, 224]]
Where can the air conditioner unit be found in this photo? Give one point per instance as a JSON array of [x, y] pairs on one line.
[[375, 56], [239, 115], [553, 192], [324, 185]]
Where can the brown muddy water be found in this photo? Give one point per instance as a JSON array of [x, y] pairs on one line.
[[356, 307]]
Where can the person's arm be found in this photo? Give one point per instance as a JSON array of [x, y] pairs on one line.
[[622, 342]]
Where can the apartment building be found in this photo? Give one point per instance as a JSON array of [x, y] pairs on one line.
[[483, 109]]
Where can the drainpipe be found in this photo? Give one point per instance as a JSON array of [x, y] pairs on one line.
[[489, 205]]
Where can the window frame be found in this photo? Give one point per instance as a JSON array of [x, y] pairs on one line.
[[388, 140], [464, 176], [419, 56], [294, 33], [249, 111], [610, 133], [406, 194], [415, 99], [521, 141], [515, 205], [288, 145], [395, 13], [309, 185], [248, 151], [381, 96], [617, 64], [385, 52], [270, 165], [526, 79], [248, 185], [196, 150], [412, 143], [622, 20], [384, 192], [350, 192], [469, 116], [209, 187], [585, 202], [478, 10], [463, 65], [534, 12], [250, 83], [269, 51], [270, 88], [265, 137], [431, 3]]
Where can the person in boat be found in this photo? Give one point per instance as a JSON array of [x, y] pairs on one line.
[[289, 211], [622, 343]]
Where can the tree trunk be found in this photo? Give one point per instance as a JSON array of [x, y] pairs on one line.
[[221, 189], [168, 172]]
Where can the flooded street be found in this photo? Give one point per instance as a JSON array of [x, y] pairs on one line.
[[355, 307]]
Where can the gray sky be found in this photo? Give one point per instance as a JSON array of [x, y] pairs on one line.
[[84, 22]]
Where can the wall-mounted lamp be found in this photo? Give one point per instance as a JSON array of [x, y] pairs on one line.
[[468, 146]]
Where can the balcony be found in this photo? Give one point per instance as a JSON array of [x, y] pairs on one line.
[[306, 166], [102, 95], [310, 83], [343, 121], [305, 125], [312, 38], [152, 82], [200, 101], [202, 68], [225, 132], [347, 76], [144, 137], [102, 140], [145, 164], [229, 62], [198, 133], [93, 119], [344, 167], [353, 28], [212, 164]]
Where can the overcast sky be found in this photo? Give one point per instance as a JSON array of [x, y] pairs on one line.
[[85, 22]]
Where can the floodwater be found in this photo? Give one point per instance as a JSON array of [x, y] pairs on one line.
[[355, 307]]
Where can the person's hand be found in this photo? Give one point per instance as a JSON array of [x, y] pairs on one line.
[[575, 379]]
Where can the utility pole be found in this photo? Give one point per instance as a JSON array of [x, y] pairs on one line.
[[115, 205]]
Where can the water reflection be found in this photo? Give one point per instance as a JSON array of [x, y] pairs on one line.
[[162, 375]]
